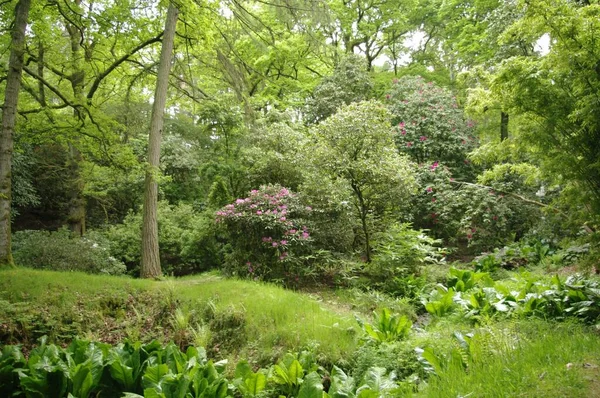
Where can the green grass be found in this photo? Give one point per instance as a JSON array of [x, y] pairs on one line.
[[526, 358], [277, 320], [507, 358]]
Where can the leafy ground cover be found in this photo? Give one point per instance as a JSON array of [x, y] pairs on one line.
[[280, 342]]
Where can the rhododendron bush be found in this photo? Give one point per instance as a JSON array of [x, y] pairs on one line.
[[429, 126], [268, 233]]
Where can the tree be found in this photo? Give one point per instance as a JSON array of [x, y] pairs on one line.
[[79, 58], [350, 82], [429, 126], [150, 267], [356, 147], [558, 92], [9, 111]]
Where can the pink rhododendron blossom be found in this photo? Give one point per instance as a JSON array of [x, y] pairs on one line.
[[429, 189], [422, 138], [409, 144]]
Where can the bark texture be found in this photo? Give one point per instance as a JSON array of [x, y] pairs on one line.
[[150, 266], [503, 126], [9, 111]]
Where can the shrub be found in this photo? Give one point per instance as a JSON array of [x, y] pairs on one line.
[[186, 239], [399, 252], [429, 126], [268, 234], [59, 251]]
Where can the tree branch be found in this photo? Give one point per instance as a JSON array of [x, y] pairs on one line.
[[118, 62]]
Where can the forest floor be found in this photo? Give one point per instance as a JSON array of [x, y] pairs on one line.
[[259, 322]]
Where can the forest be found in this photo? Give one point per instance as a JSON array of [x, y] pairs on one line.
[[300, 198]]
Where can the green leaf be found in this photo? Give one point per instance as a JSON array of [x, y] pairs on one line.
[[255, 383], [311, 387]]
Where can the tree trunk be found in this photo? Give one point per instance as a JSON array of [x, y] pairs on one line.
[[363, 212], [150, 267], [503, 126], [9, 111], [76, 206]]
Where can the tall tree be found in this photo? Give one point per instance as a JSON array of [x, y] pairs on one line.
[[150, 267], [78, 61], [9, 111]]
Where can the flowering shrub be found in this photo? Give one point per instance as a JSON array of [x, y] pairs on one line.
[[428, 124], [473, 214], [268, 235]]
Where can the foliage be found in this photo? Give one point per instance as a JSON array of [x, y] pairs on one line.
[[557, 90], [350, 82], [268, 234], [387, 327], [471, 214], [275, 155], [186, 239], [488, 358], [85, 368], [440, 301], [354, 150], [478, 297], [429, 126], [60, 251], [401, 251]]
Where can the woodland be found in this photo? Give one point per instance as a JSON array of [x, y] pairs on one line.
[[300, 198]]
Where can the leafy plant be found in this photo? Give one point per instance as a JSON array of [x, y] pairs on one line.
[[440, 302], [387, 327], [59, 251]]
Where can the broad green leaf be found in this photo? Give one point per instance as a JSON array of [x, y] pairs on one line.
[[311, 387]]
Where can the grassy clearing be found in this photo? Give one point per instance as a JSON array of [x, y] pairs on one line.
[[260, 322], [108, 308], [526, 358]]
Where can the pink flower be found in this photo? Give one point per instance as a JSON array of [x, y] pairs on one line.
[[422, 138], [239, 201], [292, 231], [401, 125], [308, 208], [275, 244], [259, 212], [305, 235], [283, 255], [409, 144], [403, 132], [282, 219], [429, 189], [284, 242], [435, 165], [267, 239]]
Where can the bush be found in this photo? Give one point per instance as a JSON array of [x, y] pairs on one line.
[[399, 252], [186, 239], [429, 126], [268, 234], [59, 251]]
